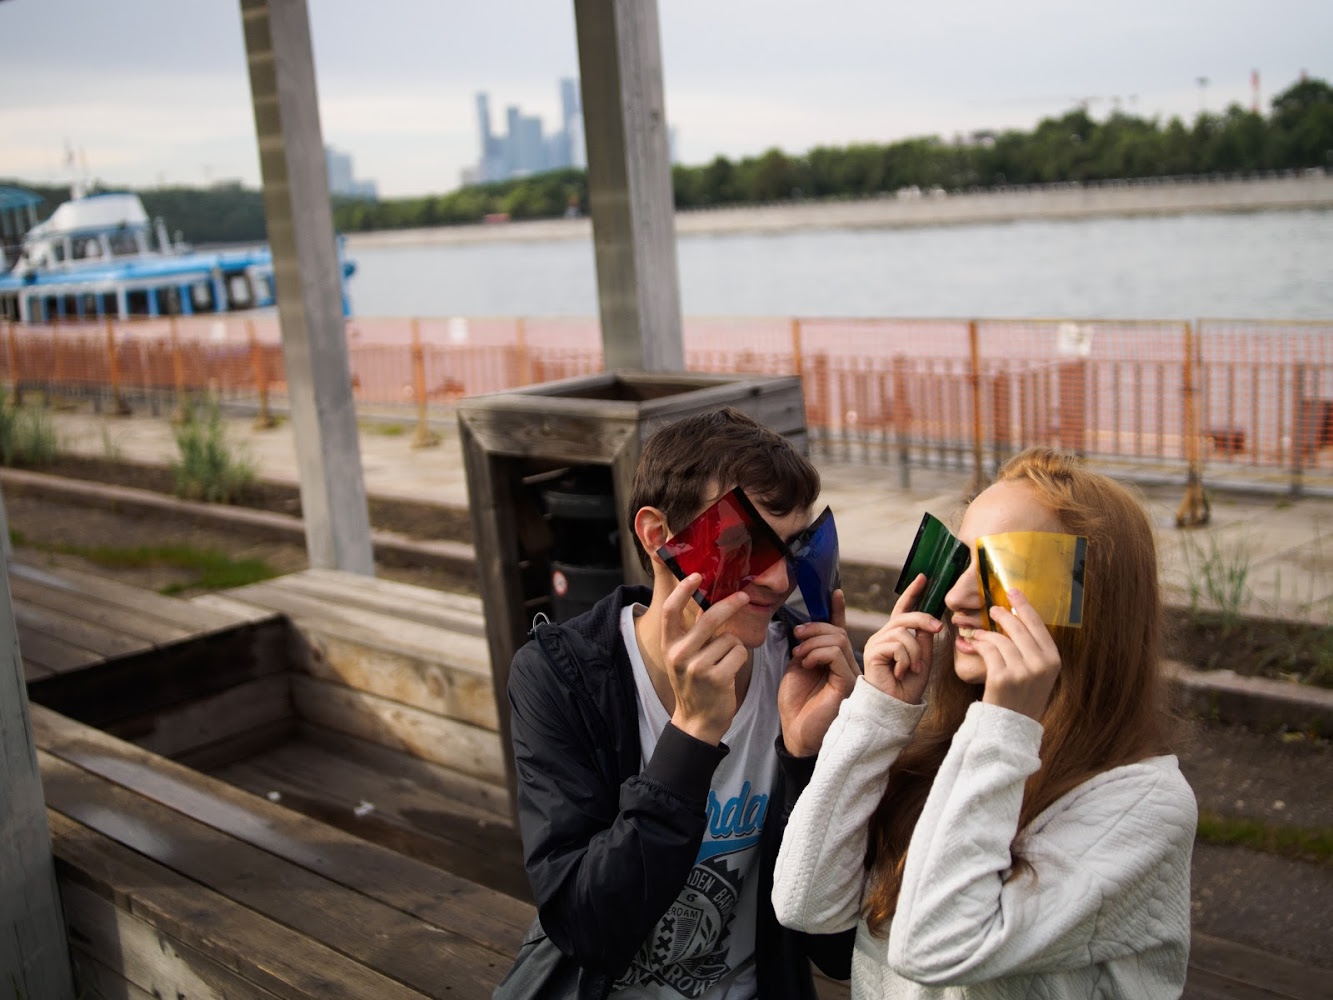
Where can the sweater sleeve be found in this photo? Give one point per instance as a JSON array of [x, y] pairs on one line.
[[821, 866], [605, 858], [1109, 865]]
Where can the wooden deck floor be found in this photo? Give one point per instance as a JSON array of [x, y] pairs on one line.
[[322, 857]]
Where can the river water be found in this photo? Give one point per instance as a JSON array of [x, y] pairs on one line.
[[1254, 265]]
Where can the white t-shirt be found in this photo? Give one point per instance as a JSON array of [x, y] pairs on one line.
[[703, 947]]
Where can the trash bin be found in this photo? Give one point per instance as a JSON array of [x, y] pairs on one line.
[[549, 469], [585, 540]]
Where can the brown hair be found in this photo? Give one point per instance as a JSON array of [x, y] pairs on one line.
[[1107, 708], [721, 448]]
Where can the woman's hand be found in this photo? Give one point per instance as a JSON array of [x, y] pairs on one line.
[[898, 656], [1022, 661]]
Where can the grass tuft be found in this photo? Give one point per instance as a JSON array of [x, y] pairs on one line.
[[209, 468], [1270, 838], [213, 570]]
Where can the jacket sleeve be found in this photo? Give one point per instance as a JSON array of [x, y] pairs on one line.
[[1109, 863], [821, 867], [604, 858]]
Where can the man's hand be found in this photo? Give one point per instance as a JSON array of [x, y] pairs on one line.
[[898, 656], [702, 662], [822, 672]]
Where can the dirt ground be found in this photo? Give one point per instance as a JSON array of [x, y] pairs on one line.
[[1280, 779]]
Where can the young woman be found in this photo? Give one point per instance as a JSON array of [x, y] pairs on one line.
[[1024, 833]]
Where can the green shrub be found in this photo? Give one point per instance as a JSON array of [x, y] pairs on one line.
[[27, 435], [209, 468]]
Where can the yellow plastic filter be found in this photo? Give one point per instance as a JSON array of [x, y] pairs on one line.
[[1046, 566]]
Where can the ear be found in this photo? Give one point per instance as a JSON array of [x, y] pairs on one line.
[[651, 528]]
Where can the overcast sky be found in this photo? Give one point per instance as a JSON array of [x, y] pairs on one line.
[[156, 92]]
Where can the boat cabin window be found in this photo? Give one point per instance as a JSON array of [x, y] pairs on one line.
[[58, 251], [87, 248], [238, 291], [201, 295], [123, 243]]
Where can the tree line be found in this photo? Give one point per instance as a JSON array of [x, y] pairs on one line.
[[1296, 134]]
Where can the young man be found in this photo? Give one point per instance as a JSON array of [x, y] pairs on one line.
[[659, 749]]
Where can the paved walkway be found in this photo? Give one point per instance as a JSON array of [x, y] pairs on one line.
[[1278, 551]]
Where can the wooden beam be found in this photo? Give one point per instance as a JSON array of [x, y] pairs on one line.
[[308, 275], [34, 954], [629, 184]]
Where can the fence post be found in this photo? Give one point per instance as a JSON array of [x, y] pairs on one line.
[[424, 437], [798, 361], [1193, 509], [178, 370], [15, 379], [118, 406], [259, 364], [902, 416], [978, 432], [524, 358], [1301, 431]]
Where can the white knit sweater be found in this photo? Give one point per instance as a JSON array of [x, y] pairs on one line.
[[1105, 914]]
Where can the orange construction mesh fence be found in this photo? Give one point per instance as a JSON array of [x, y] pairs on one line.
[[1236, 398]]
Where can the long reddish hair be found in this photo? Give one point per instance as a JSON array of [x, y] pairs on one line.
[[1107, 708]]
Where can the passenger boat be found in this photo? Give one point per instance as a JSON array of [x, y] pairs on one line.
[[99, 256]]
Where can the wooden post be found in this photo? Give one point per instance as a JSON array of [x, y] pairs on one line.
[[629, 184], [34, 954], [424, 437], [797, 357], [263, 419], [308, 279], [978, 432], [118, 407], [1193, 509]]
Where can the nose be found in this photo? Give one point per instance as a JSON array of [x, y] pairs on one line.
[[965, 594], [775, 578]]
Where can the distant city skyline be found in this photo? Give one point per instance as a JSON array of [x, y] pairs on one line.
[[343, 182], [397, 89], [524, 149]]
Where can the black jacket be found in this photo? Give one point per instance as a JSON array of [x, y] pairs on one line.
[[608, 842]]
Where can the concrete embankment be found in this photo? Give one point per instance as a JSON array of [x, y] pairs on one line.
[[1308, 191]]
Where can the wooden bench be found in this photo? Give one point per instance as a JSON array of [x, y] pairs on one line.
[[175, 883]]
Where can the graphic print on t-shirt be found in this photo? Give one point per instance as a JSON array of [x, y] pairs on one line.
[[687, 950]]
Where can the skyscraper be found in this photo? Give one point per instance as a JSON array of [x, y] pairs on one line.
[[524, 148]]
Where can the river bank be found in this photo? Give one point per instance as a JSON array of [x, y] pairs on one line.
[[921, 209]]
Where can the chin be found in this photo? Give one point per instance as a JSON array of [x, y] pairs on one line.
[[970, 668]]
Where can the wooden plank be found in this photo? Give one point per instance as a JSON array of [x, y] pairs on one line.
[[410, 886], [475, 793], [166, 676], [56, 655], [94, 981], [461, 652], [149, 960], [1243, 967], [390, 810], [281, 959], [353, 660], [465, 748], [193, 618], [239, 610], [194, 724], [67, 625], [259, 740], [381, 937], [107, 613], [468, 749], [424, 598], [34, 671]]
